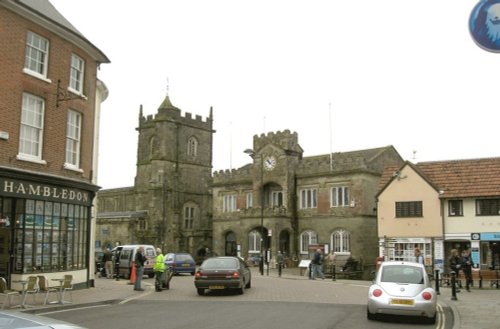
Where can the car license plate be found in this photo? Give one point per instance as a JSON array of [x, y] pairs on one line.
[[215, 287], [402, 301], [185, 265]]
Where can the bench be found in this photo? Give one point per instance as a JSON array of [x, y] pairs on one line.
[[344, 267], [489, 275]]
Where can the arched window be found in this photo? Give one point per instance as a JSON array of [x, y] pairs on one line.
[[254, 242], [192, 146], [307, 238], [341, 241], [152, 146]]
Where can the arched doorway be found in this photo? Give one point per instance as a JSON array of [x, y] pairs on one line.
[[284, 242], [230, 245]]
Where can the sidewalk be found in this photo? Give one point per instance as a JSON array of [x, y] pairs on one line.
[[478, 309]]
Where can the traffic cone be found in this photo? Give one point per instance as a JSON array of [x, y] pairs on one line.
[[132, 274]]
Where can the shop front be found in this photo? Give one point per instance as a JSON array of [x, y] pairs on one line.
[[487, 245], [45, 225]]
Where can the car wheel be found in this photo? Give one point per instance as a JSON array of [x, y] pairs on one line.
[[201, 291], [249, 284], [150, 275], [192, 273]]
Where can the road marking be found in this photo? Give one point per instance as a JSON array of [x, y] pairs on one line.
[[73, 308]]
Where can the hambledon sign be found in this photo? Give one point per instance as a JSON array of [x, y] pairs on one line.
[[47, 192]]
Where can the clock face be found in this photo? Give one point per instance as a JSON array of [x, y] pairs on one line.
[[269, 163]]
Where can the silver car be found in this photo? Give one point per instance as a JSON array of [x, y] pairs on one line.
[[402, 288]]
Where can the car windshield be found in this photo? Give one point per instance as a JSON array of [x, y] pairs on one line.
[[402, 274], [220, 263]]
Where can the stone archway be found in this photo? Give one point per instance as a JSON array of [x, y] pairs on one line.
[[230, 247]]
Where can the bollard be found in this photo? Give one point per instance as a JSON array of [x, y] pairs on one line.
[[436, 277], [333, 273], [453, 286]]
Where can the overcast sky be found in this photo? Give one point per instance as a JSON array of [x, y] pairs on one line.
[[345, 75]]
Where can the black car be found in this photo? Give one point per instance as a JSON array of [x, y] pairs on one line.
[[220, 273]]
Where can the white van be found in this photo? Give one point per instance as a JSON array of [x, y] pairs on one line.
[[126, 254]]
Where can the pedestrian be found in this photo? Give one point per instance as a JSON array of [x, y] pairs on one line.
[[159, 269], [139, 261], [419, 258], [467, 264], [317, 265], [454, 264], [280, 259], [108, 263]]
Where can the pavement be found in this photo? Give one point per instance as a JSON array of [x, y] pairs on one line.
[[478, 309]]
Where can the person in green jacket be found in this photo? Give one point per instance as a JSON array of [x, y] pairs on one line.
[[159, 269]]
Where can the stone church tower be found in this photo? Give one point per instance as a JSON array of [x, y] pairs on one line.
[[174, 163]]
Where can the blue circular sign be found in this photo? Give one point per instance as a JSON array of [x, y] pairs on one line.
[[484, 25]]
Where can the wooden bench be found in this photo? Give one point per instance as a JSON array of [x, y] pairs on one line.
[[344, 267], [489, 275], [476, 277]]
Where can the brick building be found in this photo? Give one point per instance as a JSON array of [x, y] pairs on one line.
[[49, 102]]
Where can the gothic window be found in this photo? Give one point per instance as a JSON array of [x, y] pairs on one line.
[[341, 241], [141, 224], [192, 146], [189, 215], [254, 242], [307, 238], [276, 199], [152, 143]]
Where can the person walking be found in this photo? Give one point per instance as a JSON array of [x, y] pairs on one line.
[[467, 264], [454, 264], [140, 259], [279, 260], [159, 269], [108, 263], [419, 258], [317, 265]]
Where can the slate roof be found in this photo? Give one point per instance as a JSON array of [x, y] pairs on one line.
[[348, 161], [45, 11], [456, 178]]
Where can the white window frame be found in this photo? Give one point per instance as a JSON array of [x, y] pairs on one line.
[[73, 140], [229, 203], [339, 196], [249, 200], [307, 238], [36, 59], [77, 75], [308, 198], [341, 241], [254, 241], [31, 129], [276, 198], [189, 216]]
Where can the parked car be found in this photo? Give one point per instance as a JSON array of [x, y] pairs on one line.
[[18, 320], [180, 263], [126, 256], [219, 273], [402, 289]]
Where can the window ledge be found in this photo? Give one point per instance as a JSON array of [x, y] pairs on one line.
[[77, 93], [72, 167], [30, 158], [36, 75]]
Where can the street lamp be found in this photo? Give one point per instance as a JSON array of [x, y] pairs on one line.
[[251, 153]]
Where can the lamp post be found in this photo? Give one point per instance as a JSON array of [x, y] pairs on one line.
[[261, 262]]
